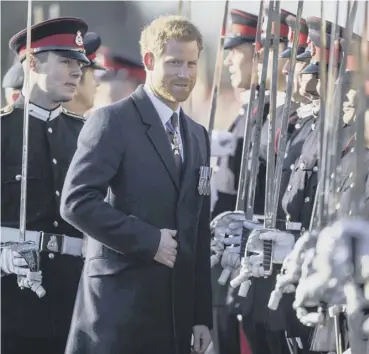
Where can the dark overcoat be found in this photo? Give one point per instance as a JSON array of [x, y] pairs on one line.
[[127, 302]]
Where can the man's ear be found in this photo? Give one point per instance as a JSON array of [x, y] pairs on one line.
[[149, 61]]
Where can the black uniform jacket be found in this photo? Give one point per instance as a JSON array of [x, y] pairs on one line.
[[52, 143]]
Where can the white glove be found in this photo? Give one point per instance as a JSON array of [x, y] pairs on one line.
[[282, 244], [230, 262], [32, 281], [220, 224], [11, 262], [236, 240], [222, 143]]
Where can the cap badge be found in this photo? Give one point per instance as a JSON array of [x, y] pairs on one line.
[[79, 39]]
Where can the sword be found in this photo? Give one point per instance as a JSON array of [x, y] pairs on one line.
[[270, 166], [218, 71], [240, 280], [29, 251], [244, 174]]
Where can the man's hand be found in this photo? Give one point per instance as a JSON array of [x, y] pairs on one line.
[[32, 281], [201, 338], [11, 262], [167, 251]]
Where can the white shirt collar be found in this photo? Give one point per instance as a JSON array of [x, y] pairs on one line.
[[44, 114], [164, 112]]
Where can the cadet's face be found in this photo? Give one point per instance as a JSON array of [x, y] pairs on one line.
[[58, 77], [174, 73], [239, 63], [281, 82], [297, 77], [308, 87], [87, 88]]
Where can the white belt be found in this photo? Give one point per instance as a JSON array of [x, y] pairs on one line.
[[48, 242]]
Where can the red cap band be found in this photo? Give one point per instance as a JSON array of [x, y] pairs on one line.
[[138, 73], [91, 56], [303, 39], [319, 52], [243, 30], [58, 40]]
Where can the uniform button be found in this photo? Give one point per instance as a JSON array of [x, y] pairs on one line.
[[350, 175], [57, 193], [50, 130], [352, 185], [55, 224], [289, 188], [315, 169], [352, 149], [55, 162], [307, 200], [313, 126], [18, 177], [338, 205], [285, 155], [298, 126], [292, 167]]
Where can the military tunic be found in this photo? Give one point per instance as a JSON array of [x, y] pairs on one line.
[[52, 143]]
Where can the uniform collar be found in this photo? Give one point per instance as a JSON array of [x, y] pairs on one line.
[[44, 114], [305, 111], [37, 111], [164, 112]]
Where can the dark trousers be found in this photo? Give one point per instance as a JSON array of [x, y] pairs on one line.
[[263, 341], [21, 345], [226, 334]]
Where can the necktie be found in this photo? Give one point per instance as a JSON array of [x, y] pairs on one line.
[[172, 131]]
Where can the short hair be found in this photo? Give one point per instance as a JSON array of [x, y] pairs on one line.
[[166, 28]]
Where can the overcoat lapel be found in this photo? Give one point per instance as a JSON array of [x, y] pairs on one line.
[[156, 132]]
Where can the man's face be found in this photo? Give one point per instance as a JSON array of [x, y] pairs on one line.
[[308, 86], [281, 82], [87, 88], [174, 73], [297, 77], [58, 77], [239, 64]]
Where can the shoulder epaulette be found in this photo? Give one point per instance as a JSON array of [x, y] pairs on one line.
[[6, 110], [73, 115]]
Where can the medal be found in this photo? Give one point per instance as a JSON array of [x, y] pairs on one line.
[[204, 180]]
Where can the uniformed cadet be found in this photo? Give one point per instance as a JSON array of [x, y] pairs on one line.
[[122, 76], [13, 82], [84, 98], [298, 199], [263, 328], [348, 163], [299, 196], [29, 324], [240, 46]]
